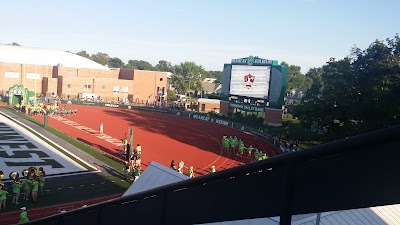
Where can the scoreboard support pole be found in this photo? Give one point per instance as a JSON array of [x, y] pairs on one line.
[[129, 149]]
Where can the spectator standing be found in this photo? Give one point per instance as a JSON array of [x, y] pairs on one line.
[[16, 186], [101, 128], [3, 196], [126, 170], [23, 216], [35, 188], [173, 165], [138, 151], [27, 188], [191, 172], [181, 165], [136, 173], [213, 170]]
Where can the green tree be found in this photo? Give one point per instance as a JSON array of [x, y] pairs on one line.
[[84, 54], [356, 94], [171, 95], [188, 76], [101, 58], [296, 79], [139, 65], [164, 66], [377, 69], [116, 63], [315, 74], [217, 75]]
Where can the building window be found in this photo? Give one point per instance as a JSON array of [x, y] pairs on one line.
[[103, 87], [124, 90], [203, 107], [116, 89], [87, 87], [69, 86]]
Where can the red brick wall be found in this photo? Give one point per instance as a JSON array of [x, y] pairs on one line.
[[225, 108], [273, 117], [145, 84], [5, 83], [126, 74], [87, 73], [141, 84], [209, 107]]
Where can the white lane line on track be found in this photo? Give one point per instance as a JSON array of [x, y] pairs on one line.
[[245, 136], [219, 144]]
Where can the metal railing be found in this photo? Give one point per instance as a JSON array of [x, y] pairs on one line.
[[353, 173]]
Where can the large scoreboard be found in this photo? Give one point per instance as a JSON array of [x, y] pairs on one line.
[[253, 84]]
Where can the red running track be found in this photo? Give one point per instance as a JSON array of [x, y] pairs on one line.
[[163, 137], [9, 218]]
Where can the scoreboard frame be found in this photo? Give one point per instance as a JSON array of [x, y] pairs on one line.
[[276, 86]]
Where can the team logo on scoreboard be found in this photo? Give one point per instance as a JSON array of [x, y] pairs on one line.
[[249, 81]]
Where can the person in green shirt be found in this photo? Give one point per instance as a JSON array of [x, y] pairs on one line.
[[259, 155], [41, 180], [249, 150], [16, 186], [23, 216], [231, 143], [213, 169], [226, 144], [256, 153], [181, 165], [3, 196], [35, 188], [235, 143], [242, 148], [27, 186], [191, 172], [136, 173]]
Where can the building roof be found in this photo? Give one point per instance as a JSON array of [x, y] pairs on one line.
[[297, 93], [155, 175], [207, 100], [41, 56], [209, 87]]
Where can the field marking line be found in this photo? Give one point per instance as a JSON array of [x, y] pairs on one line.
[[52, 142]]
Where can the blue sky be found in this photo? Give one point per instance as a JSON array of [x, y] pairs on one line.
[[209, 32]]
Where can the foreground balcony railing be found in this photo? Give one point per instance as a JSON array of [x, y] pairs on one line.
[[355, 173]]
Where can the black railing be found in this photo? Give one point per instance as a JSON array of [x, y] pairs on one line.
[[354, 173]]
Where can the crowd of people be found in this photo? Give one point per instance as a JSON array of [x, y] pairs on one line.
[[190, 170], [133, 164], [233, 144], [229, 144], [49, 109], [30, 185]]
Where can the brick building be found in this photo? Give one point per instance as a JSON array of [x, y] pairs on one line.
[[209, 105], [66, 75]]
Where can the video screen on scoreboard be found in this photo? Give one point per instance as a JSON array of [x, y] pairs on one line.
[[250, 81]]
